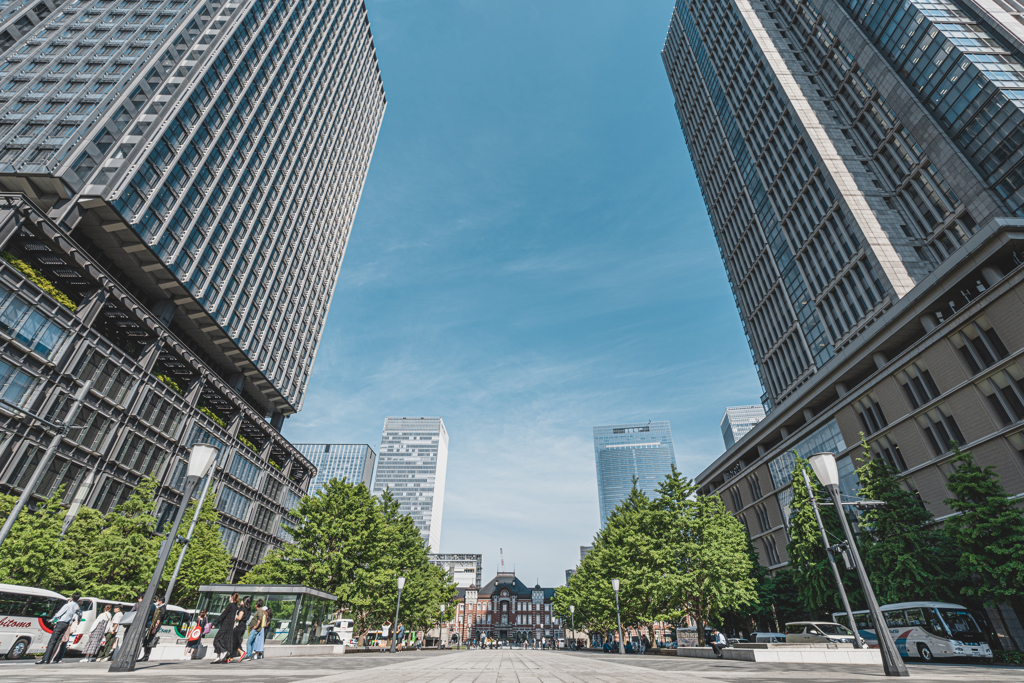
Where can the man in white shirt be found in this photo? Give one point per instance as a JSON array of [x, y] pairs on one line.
[[67, 615]]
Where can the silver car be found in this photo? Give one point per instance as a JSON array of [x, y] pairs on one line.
[[817, 632]]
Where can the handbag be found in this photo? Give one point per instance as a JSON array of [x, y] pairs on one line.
[[195, 633], [207, 628]]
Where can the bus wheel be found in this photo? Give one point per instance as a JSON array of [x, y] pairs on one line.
[[19, 649], [925, 652]]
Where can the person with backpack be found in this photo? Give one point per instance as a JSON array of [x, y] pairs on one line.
[[195, 635], [255, 628]]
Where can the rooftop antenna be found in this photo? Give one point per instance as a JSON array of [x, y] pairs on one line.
[[502, 551]]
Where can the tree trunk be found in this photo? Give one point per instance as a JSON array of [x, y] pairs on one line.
[[700, 632]]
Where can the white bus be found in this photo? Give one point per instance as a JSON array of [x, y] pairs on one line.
[[25, 615], [91, 608], [928, 630]]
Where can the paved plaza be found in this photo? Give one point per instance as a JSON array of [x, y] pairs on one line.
[[492, 666]]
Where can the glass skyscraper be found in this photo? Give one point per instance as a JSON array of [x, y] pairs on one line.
[[354, 463], [846, 149], [178, 180], [412, 464], [215, 152], [641, 450], [738, 420]]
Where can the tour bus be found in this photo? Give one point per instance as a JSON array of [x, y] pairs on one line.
[[339, 632], [926, 629], [173, 626], [25, 615], [91, 608]]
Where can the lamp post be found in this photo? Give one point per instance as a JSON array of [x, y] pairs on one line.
[[824, 466], [188, 539], [572, 613], [618, 617], [857, 643], [199, 462], [398, 604]]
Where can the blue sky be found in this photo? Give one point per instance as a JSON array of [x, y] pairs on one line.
[[531, 257]]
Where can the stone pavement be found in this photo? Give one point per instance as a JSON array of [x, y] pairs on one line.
[[492, 666]]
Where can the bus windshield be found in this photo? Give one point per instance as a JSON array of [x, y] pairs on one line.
[[834, 629], [960, 622]]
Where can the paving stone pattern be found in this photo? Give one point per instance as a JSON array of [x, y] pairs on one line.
[[492, 666]]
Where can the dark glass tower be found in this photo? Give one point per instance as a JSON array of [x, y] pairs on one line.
[[212, 151]]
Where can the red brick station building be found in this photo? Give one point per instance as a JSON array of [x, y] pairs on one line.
[[505, 609]]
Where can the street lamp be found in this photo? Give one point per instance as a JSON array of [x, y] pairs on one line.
[[857, 643], [572, 613], [398, 603], [618, 617], [824, 466], [199, 462]]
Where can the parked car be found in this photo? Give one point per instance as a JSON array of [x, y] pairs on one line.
[[733, 641], [769, 637], [817, 632]]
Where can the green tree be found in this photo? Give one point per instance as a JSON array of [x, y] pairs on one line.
[[28, 555], [70, 554], [119, 563], [816, 585], [206, 560], [904, 556], [988, 532]]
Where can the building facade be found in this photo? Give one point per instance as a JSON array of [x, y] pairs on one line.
[[506, 610], [861, 163], [354, 463], [641, 450], [466, 569], [412, 464], [180, 179], [738, 420]]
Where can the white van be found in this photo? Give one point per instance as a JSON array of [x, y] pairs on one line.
[[339, 632], [25, 615], [91, 608], [928, 630]]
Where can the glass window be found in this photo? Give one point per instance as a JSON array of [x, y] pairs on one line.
[[795, 628], [895, 618]]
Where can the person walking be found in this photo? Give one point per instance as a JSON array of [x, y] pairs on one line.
[[385, 629], [255, 626], [261, 639], [718, 641], [96, 633], [224, 642], [244, 610], [195, 635], [157, 611], [111, 633], [62, 620]]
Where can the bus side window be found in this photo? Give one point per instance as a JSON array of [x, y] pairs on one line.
[[915, 617], [86, 605], [934, 626], [844, 620], [39, 606], [12, 604], [895, 618], [864, 621]]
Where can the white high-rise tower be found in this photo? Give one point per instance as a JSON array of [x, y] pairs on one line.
[[412, 463]]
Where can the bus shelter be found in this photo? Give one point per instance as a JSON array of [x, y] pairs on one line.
[[300, 614]]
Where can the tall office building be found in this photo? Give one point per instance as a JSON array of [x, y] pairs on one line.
[[179, 181], [352, 462], [641, 450], [738, 420], [465, 569], [845, 150], [863, 163], [412, 463]]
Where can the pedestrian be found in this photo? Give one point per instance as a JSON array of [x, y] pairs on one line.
[[96, 633], [224, 643], [111, 635], [255, 626], [154, 618], [62, 620], [385, 629], [261, 639], [718, 641], [241, 619], [195, 635], [399, 635]]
